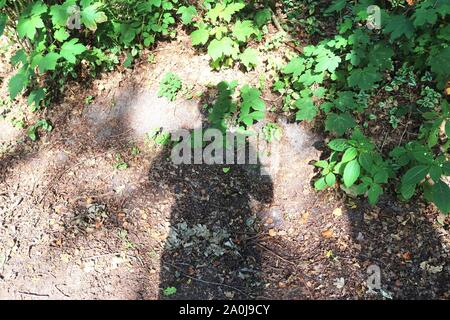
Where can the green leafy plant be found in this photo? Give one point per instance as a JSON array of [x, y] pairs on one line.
[[170, 86], [224, 32]]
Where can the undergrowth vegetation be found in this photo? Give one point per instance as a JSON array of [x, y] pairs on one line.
[[355, 72]]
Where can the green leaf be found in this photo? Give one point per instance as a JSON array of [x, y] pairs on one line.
[[339, 123], [47, 62], [424, 15], [364, 79], [249, 58], [338, 145], [61, 35], [414, 175], [320, 184], [440, 195], [251, 100], [380, 56], [187, 13], [350, 154], [262, 17], [71, 49], [307, 110], [17, 83], [327, 62], [3, 20], [351, 173], [399, 25], [60, 13], [200, 36], [374, 193], [295, 67], [26, 27], [219, 48], [243, 30], [330, 179], [35, 98], [90, 16], [337, 5]]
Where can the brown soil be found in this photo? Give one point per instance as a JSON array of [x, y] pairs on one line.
[[74, 227]]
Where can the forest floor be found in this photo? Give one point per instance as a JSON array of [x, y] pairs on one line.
[[73, 226]]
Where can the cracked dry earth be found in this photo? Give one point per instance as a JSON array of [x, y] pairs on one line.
[[74, 227]]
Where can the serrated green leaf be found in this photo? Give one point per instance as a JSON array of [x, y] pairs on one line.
[[414, 175], [219, 48], [71, 49], [249, 58], [27, 26], [91, 16], [364, 79], [339, 123], [17, 83], [200, 37], [35, 98], [350, 154], [295, 67], [399, 25], [61, 35], [307, 110], [374, 193], [351, 173], [338, 144], [440, 195], [187, 13], [243, 30]]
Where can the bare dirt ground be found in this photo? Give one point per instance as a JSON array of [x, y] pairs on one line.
[[72, 226]]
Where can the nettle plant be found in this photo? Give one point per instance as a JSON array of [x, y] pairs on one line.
[[226, 32], [55, 37], [233, 108], [360, 167], [338, 77]]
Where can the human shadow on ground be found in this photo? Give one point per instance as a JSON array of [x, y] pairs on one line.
[[209, 253]]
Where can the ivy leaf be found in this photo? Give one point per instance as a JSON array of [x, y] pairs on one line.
[[249, 58], [339, 123], [307, 110], [399, 25], [71, 49], [187, 13], [364, 79], [243, 30], [199, 36], [351, 173], [219, 48], [90, 16], [295, 67]]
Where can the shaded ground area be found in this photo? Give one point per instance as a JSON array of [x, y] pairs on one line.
[[74, 226]]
